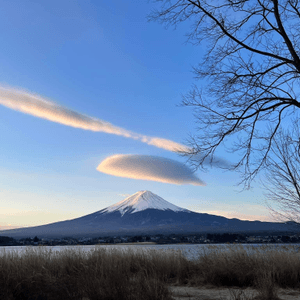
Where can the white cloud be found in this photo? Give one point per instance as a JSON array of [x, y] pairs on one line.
[[147, 167], [124, 195], [40, 107], [164, 144], [35, 105]]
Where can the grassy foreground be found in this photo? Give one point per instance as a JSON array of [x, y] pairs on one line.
[[113, 274]]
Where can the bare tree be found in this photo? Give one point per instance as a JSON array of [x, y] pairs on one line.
[[282, 182], [250, 75]]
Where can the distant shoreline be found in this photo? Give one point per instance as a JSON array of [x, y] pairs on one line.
[[150, 243], [137, 243]]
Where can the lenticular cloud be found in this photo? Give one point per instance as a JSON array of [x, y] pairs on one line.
[[39, 107], [147, 167]]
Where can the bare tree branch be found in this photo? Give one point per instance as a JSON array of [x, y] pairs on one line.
[[251, 74], [282, 184]]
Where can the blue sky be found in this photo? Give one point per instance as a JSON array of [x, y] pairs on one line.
[[102, 60]]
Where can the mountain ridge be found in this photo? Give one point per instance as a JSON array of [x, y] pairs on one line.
[[145, 213]]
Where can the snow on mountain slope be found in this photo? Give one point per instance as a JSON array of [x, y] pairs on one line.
[[140, 201]]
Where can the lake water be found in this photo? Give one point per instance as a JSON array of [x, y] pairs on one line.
[[191, 251]]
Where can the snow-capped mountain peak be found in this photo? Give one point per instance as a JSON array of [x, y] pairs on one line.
[[140, 201]]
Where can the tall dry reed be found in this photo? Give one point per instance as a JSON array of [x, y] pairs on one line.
[[237, 267], [74, 274], [109, 274]]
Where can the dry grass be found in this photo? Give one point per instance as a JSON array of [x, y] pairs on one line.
[[110, 274], [235, 267], [72, 274]]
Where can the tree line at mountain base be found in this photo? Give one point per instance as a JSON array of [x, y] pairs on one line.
[[209, 238]]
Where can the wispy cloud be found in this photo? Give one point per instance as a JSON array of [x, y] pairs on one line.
[[38, 106], [210, 161], [124, 195], [147, 167], [9, 226]]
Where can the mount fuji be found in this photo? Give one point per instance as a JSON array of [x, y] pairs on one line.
[[141, 201], [145, 213]]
